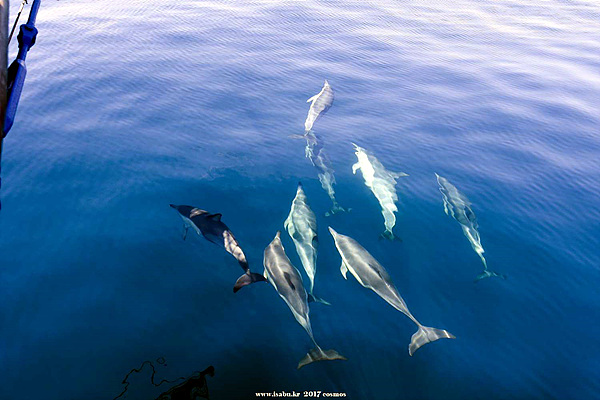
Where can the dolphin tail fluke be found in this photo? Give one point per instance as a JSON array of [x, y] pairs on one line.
[[488, 273], [247, 279], [390, 236], [313, 298], [317, 354], [425, 335]]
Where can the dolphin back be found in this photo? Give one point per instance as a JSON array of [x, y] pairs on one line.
[[382, 184]]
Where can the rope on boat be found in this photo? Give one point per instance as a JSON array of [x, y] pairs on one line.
[[16, 21]]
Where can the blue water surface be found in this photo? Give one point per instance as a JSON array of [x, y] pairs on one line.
[[132, 105]]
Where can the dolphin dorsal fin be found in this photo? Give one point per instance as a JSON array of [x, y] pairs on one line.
[[216, 217], [312, 98], [288, 278]]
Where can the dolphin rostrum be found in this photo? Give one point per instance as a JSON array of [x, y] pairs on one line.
[[315, 153], [458, 206], [319, 104], [215, 231], [287, 281], [301, 225], [370, 274], [383, 185]]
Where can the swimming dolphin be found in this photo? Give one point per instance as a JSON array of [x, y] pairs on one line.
[[370, 274], [215, 231], [458, 206], [383, 185], [287, 281], [315, 153], [320, 103], [301, 225]]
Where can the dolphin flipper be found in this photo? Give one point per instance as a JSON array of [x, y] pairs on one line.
[[425, 335], [312, 297], [317, 354], [185, 231], [247, 279], [313, 98]]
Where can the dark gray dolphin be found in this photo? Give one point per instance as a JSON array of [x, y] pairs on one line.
[[315, 153], [287, 281], [370, 274], [458, 206], [214, 230]]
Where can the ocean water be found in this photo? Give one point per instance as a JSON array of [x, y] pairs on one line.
[[132, 105]]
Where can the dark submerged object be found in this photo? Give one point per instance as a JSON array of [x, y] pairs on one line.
[[193, 388], [215, 231]]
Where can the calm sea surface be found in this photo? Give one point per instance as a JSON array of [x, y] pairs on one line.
[[132, 105]]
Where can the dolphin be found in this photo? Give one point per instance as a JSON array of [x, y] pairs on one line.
[[301, 225], [287, 281], [458, 206], [383, 185], [370, 274], [315, 153], [210, 226], [319, 104]]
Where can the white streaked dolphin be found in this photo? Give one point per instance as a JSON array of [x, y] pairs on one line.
[[370, 274], [319, 104], [287, 281], [383, 185], [210, 226], [301, 225], [458, 206], [315, 153]]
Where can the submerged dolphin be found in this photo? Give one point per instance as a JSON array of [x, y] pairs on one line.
[[320, 103], [301, 225], [314, 152], [215, 231], [287, 281], [370, 274], [458, 206], [383, 185]]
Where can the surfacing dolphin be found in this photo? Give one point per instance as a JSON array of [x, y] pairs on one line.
[[315, 153], [319, 104], [210, 226], [383, 185], [287, 281], [458, 206], [301, 225], [370, 274]]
